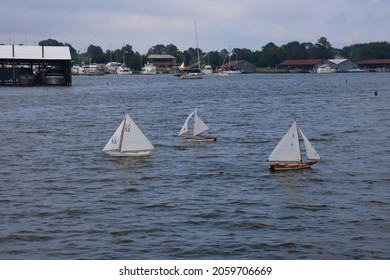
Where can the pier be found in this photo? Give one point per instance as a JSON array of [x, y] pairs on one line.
[[35, 65]]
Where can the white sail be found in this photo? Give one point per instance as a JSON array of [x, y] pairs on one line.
[[311, 153], [115, 140], [182, 66], [199, 125], [184, 129], [133, 138], [288, 147]]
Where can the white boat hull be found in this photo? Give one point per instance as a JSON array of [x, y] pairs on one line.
[[325, 69], [191, 76], [117, 153]]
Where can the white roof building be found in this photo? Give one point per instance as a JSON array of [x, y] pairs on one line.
[[30, 65], [34, 52]]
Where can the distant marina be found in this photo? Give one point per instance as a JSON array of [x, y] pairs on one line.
[[53, 65]]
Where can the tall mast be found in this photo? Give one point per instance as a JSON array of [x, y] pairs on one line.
[[197, 45], [299, 142], [123, 132]]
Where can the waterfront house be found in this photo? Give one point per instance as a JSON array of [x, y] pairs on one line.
[[162, 61]]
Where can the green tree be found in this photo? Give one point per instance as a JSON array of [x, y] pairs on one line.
[[127, 53], [214, 59], [323, 48], [242, 54], [375, 50], [95, 54], [157, 49], [270, 55], [295, 50], [135, 61], [55, 43], [50, 42]]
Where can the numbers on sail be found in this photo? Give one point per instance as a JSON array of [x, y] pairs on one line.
[[113, 140], [127, 127]]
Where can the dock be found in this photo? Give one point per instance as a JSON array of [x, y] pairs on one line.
[[35, 65]]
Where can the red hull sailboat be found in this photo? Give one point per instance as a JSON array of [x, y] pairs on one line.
[[287, 154]]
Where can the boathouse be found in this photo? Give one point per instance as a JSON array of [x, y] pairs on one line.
[[341, 64], [300, 65], [375, 65], [240, 65], [35, 65]]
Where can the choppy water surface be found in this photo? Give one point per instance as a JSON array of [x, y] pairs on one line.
[[61, 198]]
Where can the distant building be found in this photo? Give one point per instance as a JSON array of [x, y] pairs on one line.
[[241, 65], [375, 65], [300, 65], [164, 61], [341, 64], [31, 65], [311, 65]]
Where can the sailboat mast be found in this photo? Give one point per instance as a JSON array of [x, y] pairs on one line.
[[123, 132], [299, 142], [197, 44]]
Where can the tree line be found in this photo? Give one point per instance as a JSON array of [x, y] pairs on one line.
[[269, 56]]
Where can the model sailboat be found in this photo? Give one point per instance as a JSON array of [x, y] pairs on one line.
[[128, 140], [287, 154], [199, 127]]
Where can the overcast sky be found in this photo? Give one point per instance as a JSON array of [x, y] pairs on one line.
[[221, 24]]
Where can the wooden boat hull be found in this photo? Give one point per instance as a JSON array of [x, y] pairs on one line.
[[200, 139], [292, 166], [117, 153]]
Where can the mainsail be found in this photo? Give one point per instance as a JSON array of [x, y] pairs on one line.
[[199, 125], [133, 138], [288, 147]]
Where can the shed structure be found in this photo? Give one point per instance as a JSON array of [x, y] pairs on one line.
[[241, 65], [375, 65], [300, 65], [341, 64], [35, 65]]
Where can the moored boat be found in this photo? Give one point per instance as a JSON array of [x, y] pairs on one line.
[[123, 70], [325, 69], [149, 69]]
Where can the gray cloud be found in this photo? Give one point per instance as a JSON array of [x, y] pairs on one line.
[[221, 23]]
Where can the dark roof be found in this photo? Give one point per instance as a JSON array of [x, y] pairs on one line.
[[232, 63], [301, 62], [374, 61], [158, 56]]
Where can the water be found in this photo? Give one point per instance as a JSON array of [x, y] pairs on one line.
[[61, 198]]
